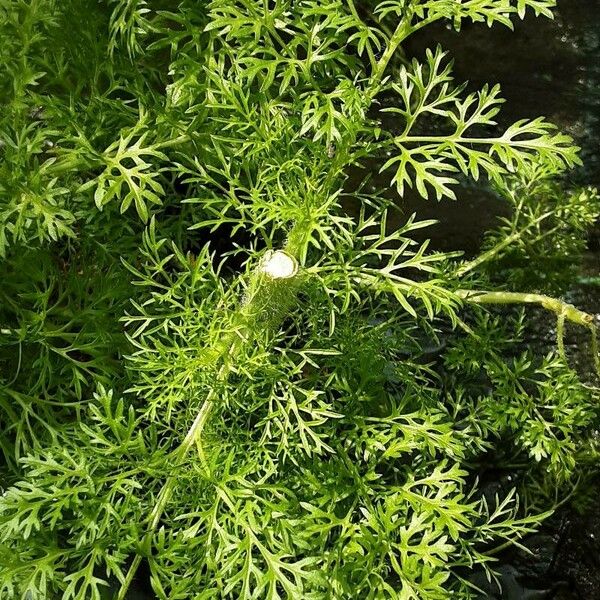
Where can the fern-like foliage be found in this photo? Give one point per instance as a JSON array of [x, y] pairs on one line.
[[253, 383], [432, 160]]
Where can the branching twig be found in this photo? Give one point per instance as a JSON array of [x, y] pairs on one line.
[[494, 251], [571, 313], [563, 311]]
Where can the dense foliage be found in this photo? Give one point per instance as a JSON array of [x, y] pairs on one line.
[[181, 410]]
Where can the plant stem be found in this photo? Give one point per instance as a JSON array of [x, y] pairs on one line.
[[443, 140], [263, 305], [355, 14], [182, 139], [571, 313], [595, 349], [563, 311], [268, 300], [164, 495], [560, 335], [493, 252], [402, 31]]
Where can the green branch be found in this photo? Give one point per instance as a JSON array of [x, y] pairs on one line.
[[563, 311], [494, 251], [272, 289], [403, 30], [570, 312]]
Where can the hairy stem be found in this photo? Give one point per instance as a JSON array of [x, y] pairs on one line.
[[271, 292]]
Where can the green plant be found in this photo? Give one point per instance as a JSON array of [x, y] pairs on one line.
[[288, 400]]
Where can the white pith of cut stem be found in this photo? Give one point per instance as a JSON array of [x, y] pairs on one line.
[[279, 264]]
